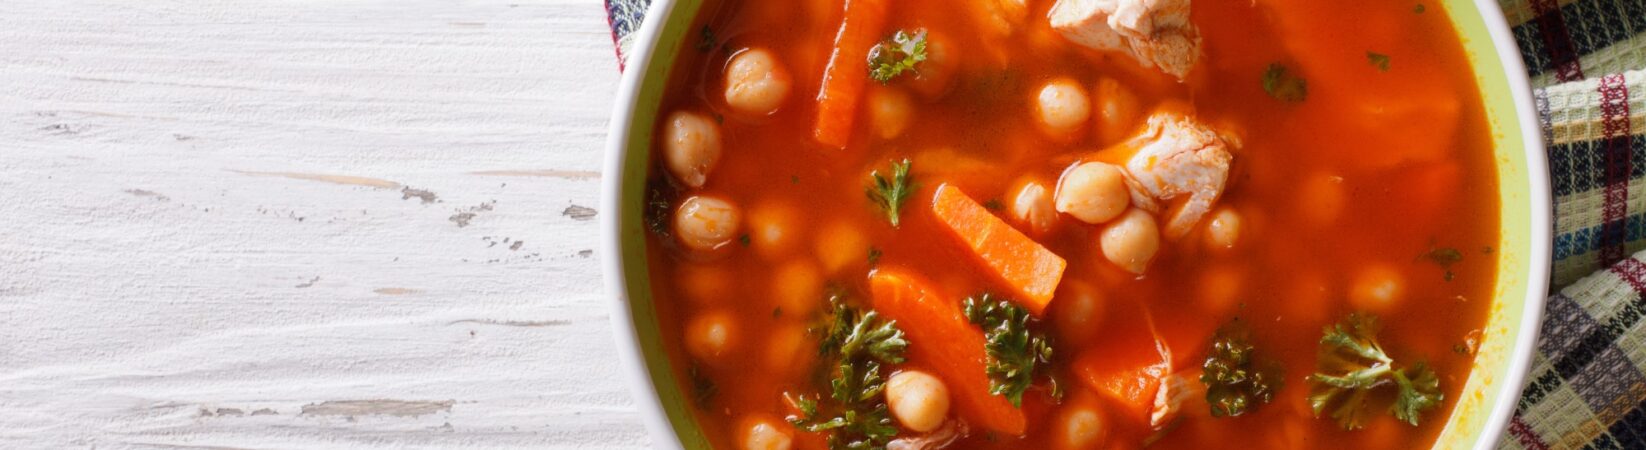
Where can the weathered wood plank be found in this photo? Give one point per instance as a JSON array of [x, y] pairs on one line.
[[258, 224]]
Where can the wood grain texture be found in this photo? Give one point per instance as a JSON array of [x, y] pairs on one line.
[[305, 224]]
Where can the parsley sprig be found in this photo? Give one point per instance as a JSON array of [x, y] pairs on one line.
[[1235, 384], [1352, 364], [1378, 60], [891, 194], [1284, 85], [1014, 350], [1445, 257], [861, 344], [658, 210], [896, 55]]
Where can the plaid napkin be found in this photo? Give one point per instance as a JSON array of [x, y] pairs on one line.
[[1587, 61]]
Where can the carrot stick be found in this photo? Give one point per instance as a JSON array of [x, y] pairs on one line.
[[1131, 368], [848, 70], [1030, 269], [1132, 387], [941, 339]]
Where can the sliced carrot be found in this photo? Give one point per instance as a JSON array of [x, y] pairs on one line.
[[940, 338], [1133, 388], [1131, 367], [848, 70], [1029, 268]]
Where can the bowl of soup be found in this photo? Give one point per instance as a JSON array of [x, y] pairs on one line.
[[923, 224]]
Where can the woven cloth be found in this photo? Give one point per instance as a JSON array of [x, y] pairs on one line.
[[1587, 62]]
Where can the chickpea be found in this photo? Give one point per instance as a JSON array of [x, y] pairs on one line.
[[1322, 197], [756, 83], [840, 244], [1220, 286], [1308, 296], [705, 223], [1117, 110], [1377, 288], [889, 110], [1079, 308], [1062, 106], [762, 434], [774, 229], [789, 352], [1223, 230], [1033, 208], [1131, 241], [918, 400], [709, 335], [691, 147], [1093, 192], [936, 73], [798, 287], [705, 284], [1082, 427]]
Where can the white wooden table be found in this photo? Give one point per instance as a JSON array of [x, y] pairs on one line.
[[305, 224]]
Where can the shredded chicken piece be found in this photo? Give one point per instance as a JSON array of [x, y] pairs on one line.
[[1176, 391], [1157, 33], [1177, 156], [951, 431]]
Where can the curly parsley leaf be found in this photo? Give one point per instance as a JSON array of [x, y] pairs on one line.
[[1233, 385], [1378, 60], [703, 388], [1284, 85], [1351, 364], [706, 40], [1418, 393], [891, 194], [860, 344], [897, 55], [657, 211], [1013, 349], [1445, 257]]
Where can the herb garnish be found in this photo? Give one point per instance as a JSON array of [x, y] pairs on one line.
[[1233, 385], [1283, 85], [703, 389], [1418, 9], [657, 211], [858, 417], [1014, 350], [744, 240], [874, 257], [1378, 60], [994, 205], [896, 55], [1445, 257], [706, 40], [890, 195], [1351, 364]]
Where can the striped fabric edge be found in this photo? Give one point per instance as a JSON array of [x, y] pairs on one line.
[[624, 17], [1597, 168], [1569, 40], [1587, 387], [1624, 55]]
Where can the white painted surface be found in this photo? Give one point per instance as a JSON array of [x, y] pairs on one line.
[[304, 224]]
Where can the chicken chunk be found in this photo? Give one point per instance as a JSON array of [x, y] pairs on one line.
[[1177, 391], [1177, 156], [1157, 33]]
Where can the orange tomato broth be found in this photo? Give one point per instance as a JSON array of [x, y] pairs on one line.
[[1373, 168]]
